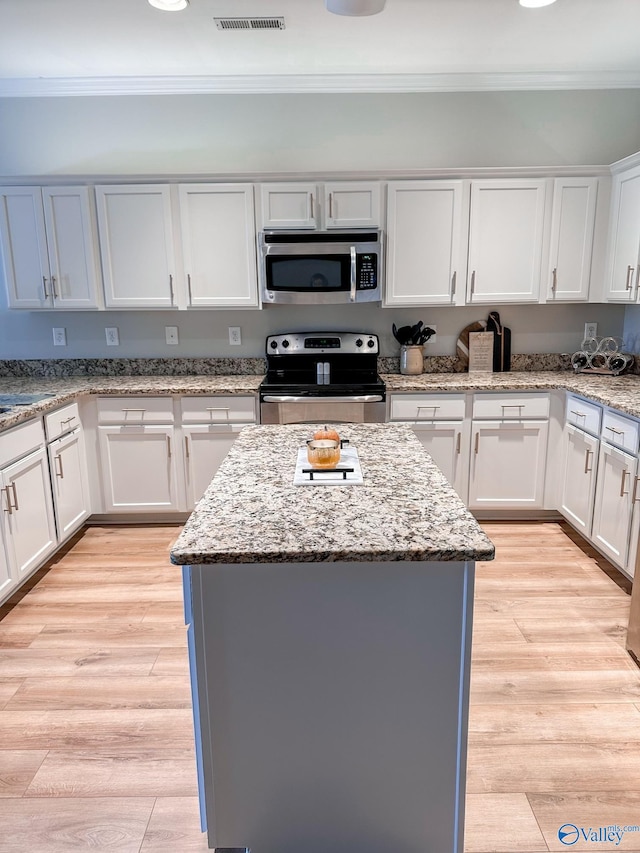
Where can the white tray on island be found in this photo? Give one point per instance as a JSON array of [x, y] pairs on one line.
[[329, 477]]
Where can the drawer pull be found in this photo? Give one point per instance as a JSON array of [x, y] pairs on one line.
[[458, 443], [425, 406], [67, 420], [624, 477], [134, 410], [512, 406], [588, 452], [58, 466], [186, 447], [578, 414], [616, 431], [8, 509], [212, 409]]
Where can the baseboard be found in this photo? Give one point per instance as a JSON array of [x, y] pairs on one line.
[[138, 518], [516, 515]]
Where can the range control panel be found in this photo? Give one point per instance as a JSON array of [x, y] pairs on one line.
[[305, 343]]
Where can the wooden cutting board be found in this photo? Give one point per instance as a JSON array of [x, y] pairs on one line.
[[462, 344]]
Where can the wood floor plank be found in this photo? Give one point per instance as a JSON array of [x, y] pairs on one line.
[[554, 607], [8, 687], [584, 630], [117, 593], [65, 826], [165, 611], [550, 657], [115, 773], [541, 688], [539, 723], [553, 768], [171, 662], [547, 585], [18, 635], [17, 769], [39, 612], [48, 663], [102, 692], [496, 628], [132, 728], [86, 636], [507, 819], [174, 826], [589, 810]]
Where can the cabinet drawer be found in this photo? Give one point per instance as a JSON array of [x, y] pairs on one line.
[[621, 431], [223, 409], [61, 421], [584, 415], [431, 407], [135, 410], [20, 440], [511, 406]]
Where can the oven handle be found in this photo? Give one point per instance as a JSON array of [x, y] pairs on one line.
[[353, 274], [356, 398]]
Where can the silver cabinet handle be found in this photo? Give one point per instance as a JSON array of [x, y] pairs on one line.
[[554, 281], [311, 205], [171, 287], [15, 496], [578, 414], [44, 287], [68, 420], [473, 282], [186, 447], [477, 443], [330, 205], [189, 288], [58, 466], [426, 406], [454, 279], [635, 490], [169, 446], [53, 286], [587, 470], [134, 410], [8, 509], [624, 476], [629, 281], [615, 431], [352, 295], [458, 443]]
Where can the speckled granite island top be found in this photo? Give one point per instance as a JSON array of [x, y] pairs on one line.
[[404, 510]]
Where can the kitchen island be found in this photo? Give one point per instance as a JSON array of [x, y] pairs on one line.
[[329, 640]]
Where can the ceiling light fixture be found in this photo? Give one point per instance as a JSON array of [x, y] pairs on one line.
[[169, 5], [536, 4], [355, 8]]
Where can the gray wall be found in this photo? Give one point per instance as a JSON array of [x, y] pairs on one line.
[[254, 135]]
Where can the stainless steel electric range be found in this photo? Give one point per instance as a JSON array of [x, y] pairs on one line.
[[314, 377]]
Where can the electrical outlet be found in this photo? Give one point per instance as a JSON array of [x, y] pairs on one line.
[[590, 330], [60, 337], [171, 334], [235, 336], [112, 336]]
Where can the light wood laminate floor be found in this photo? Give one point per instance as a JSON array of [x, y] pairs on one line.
[[96, 743]]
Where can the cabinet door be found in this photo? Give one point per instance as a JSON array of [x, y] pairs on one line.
[[290, 206], [572, 223], [30, 526], [7, 581], [612, 513], [623, 271], [505, 240], [425, 250], [138, 468], [352, 205], [508, 460], [578, 481], [72, 247], [448, 445], [24, 248], [205, 447], [218, 239], [136, 245], [69, 479]]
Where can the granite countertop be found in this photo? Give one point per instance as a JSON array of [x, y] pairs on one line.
[[404, 510], [65, 390]]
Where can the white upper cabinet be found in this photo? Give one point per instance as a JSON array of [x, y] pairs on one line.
[[331, 205], [218, 242], [506, 237], [623, 270], [49, 248], [426, 243], [572, 227], [136, 245]]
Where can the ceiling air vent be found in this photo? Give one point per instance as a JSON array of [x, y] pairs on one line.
[[249, 23]]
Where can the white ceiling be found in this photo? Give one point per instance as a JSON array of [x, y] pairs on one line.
[[51, 47]]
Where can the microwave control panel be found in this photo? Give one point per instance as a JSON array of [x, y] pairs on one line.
[[367, 271]]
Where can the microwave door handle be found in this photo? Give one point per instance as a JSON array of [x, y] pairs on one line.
[[353, 274]]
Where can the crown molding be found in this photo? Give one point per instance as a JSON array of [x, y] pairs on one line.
[[34, 87], [626, 163]]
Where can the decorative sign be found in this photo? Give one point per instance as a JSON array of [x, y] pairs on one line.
[[480, 352]]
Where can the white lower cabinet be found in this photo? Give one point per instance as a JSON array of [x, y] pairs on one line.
[[69, 482], [578, 484], [205, 446], [6, 579], [614, 498], [29, 526], [139, 471], [448, 445]]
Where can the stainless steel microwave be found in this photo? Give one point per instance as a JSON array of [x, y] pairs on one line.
[[320, 267]]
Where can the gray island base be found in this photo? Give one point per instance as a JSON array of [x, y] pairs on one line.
[[329, 640]]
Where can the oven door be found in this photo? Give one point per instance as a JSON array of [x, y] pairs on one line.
[[289, 409], [319, 273]]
